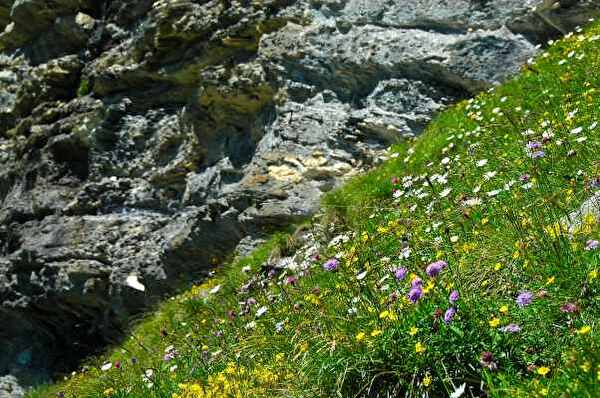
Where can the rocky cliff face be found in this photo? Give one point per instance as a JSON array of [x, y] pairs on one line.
[[148, 138]]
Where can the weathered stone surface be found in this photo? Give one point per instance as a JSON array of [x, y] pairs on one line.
[[149, 138], [9, 387], [576, 221]]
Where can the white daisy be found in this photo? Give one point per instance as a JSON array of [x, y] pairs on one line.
[[445, 192]]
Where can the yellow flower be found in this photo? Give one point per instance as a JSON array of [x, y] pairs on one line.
[[598, 375], [586, 366], [413, 331], [279, 357], [543, 370], [427, 380], [430, 285], [484, 221], [584, 330], [391, 315], [109, 392], [312, 299], [494, 322], [382, 230], [419, 348], [550, 280], [468, 247], [554, 230], [497, 267], [303, 347], [231, 368], [593, 274], [504, 309], [589, 221], [360, 337], [544, 392], [376, 333]]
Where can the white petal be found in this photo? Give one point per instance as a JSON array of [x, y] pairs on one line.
[[361, 276], [215, 289], [577, 130], [133, 282], [459, 391], [106, 366], [445, 192], [261, 311]]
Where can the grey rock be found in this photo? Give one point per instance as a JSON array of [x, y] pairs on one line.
[[577, 219], [10, 388], [247, 245]]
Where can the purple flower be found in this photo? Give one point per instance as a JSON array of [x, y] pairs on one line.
[[400, 273], [454, 296], [487, 360], [415, 294], [569, 308], [591, 244], [534, 149], [449, 315], [435, 268], [525, 178], [416, 283], [538, 154], [331, 265], [170, 355], [595, 183], [524, 299], [533, 145], [511, 328], [251, 301], [291, 280]]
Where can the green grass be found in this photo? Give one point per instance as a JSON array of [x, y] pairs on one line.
[[84, 88], [473, 197]]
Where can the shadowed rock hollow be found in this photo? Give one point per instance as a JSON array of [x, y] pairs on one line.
[[149, 138]]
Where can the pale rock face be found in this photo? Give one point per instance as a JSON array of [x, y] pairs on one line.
[[146, 138]]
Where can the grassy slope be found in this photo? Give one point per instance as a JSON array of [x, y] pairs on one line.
[[333, 334]]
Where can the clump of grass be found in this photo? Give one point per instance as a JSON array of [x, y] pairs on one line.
[[84, 87], [461, 269]]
